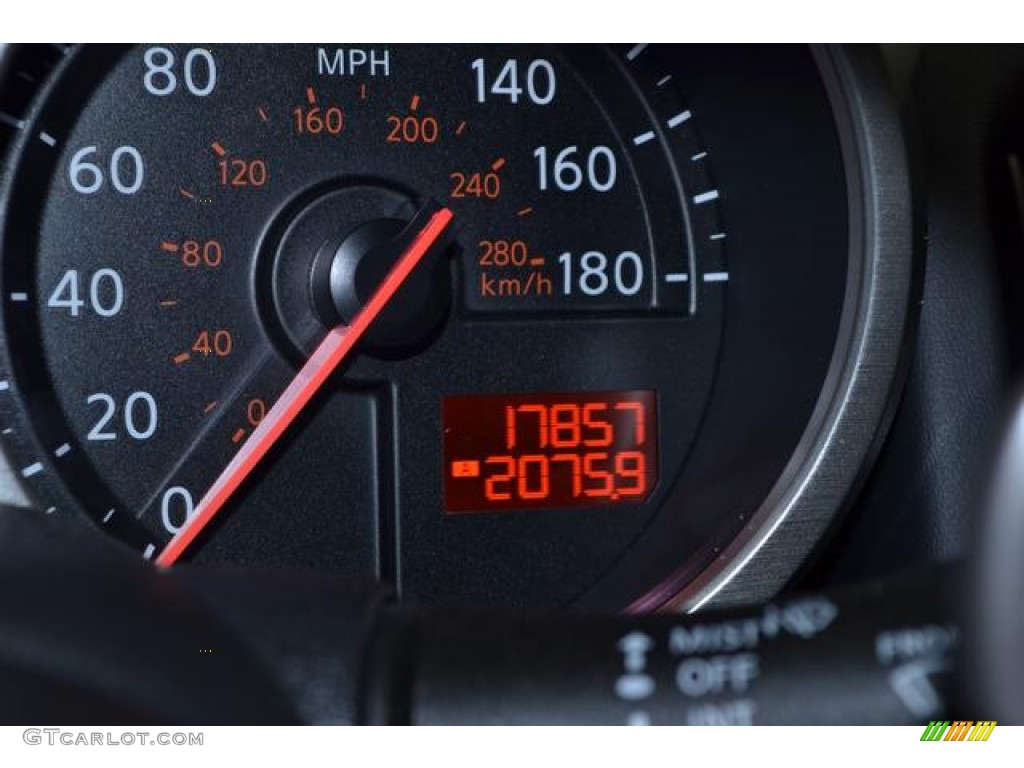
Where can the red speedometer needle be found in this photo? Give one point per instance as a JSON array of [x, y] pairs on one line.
[[328, 356]]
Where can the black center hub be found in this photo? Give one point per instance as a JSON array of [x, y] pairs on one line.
[[327, 254]]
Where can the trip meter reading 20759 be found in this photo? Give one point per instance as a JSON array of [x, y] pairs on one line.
[[199, 227]]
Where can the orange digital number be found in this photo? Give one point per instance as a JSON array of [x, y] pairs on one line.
[[534, 478], [498, 486], [511, 431], [576, 464], [599, 431], [510, 427], [565, 425], [640, 428], [591, 472], [632, 465]]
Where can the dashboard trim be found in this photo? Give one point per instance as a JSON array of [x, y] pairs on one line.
[[861, 390]]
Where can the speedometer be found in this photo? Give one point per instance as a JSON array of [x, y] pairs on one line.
[[506, 324]]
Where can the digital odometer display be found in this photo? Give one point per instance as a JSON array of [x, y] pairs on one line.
[[553, 450]]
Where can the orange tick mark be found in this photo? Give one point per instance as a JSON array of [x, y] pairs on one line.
[[415, 103], [524, 211], [537, 262], [168, 246], [181, 358], [263, 114], [210, 406], [185, 193], [461, 129], [237, 437], [362, 92], [218, 148], [498, 164], [169, 303], [311, 95]]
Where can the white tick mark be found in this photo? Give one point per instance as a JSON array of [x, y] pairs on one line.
[[636, 50], [705, 197]]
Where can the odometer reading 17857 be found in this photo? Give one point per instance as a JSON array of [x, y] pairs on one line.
[[506, 452]]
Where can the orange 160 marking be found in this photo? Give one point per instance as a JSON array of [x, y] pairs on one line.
[[314, 121]]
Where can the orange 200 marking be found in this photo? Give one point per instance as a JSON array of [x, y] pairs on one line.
[[413, 129]]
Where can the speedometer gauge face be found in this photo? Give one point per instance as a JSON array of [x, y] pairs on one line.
[[506, 324]]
